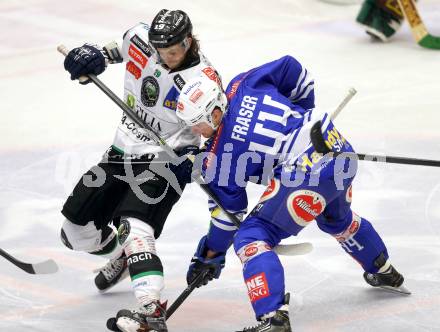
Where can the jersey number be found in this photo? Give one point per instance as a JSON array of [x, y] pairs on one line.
[[278, 137]]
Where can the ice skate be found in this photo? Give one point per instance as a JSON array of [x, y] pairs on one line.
[[390, 280], [110, 274], [279, 322], [150, 318]]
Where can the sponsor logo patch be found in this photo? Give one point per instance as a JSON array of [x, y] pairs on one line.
[[149, 91], [170, 100], [180, 106], [251, 250], [257, 287], [133, 69], [196, 95], [305, 205], [212, 75], [143, 46], [233, 90], [179, 81], [139, 257], [131, 101], [137, 56], [349, 194], [351, 230], [271, 190]]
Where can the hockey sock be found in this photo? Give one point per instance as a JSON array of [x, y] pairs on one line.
[[363, 243], [264, 279]]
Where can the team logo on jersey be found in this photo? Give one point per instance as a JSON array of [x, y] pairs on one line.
[[179, 81], [157, 73], [305, 205], [271, 190], [137, 56], [133, 69], [257, 286], [123, 231], [144, 47], [149, 91], [212, 75], [349, 194]]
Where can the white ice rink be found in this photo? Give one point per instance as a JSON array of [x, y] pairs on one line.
[[53, 129]]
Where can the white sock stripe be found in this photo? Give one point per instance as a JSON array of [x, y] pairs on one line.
[[223, 226]]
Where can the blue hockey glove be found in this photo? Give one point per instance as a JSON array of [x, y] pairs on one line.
[[199, 264], [84, 60], [184, 169]]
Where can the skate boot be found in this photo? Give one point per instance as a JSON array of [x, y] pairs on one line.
[[279, 322], [110, 274], [150, 318], [380, 18], [390, 280]]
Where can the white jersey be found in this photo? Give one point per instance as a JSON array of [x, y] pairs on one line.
[[151, 91]]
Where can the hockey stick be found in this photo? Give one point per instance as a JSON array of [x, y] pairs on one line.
[[321, 146], [288, 250], [418, 28], [46, 267], [188, 290]]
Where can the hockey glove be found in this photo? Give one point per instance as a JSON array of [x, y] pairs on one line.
[[380, 18], [183, 167], [84, 60], [200, 264]]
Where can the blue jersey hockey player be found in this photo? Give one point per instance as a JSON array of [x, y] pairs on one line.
[[259, 131]]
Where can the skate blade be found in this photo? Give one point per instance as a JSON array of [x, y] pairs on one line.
[[396, 290]]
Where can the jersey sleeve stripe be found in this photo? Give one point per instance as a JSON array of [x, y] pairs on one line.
[[223, 226]]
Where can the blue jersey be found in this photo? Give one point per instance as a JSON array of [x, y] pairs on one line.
[[268, 107]]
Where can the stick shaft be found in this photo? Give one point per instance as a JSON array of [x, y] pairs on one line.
[[418, 28], [344, 102], [411, 13], [398, 160], [187, 291], [320, 145]]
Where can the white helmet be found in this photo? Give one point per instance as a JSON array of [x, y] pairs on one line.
[[198, 98]]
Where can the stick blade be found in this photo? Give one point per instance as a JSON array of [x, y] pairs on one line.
[[294, 249], [431, 42], [46, 267]]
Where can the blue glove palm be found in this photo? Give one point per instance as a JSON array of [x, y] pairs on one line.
[[200, 264], [84, 60]]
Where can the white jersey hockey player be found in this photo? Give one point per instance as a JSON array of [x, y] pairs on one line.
[[159, 60]]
